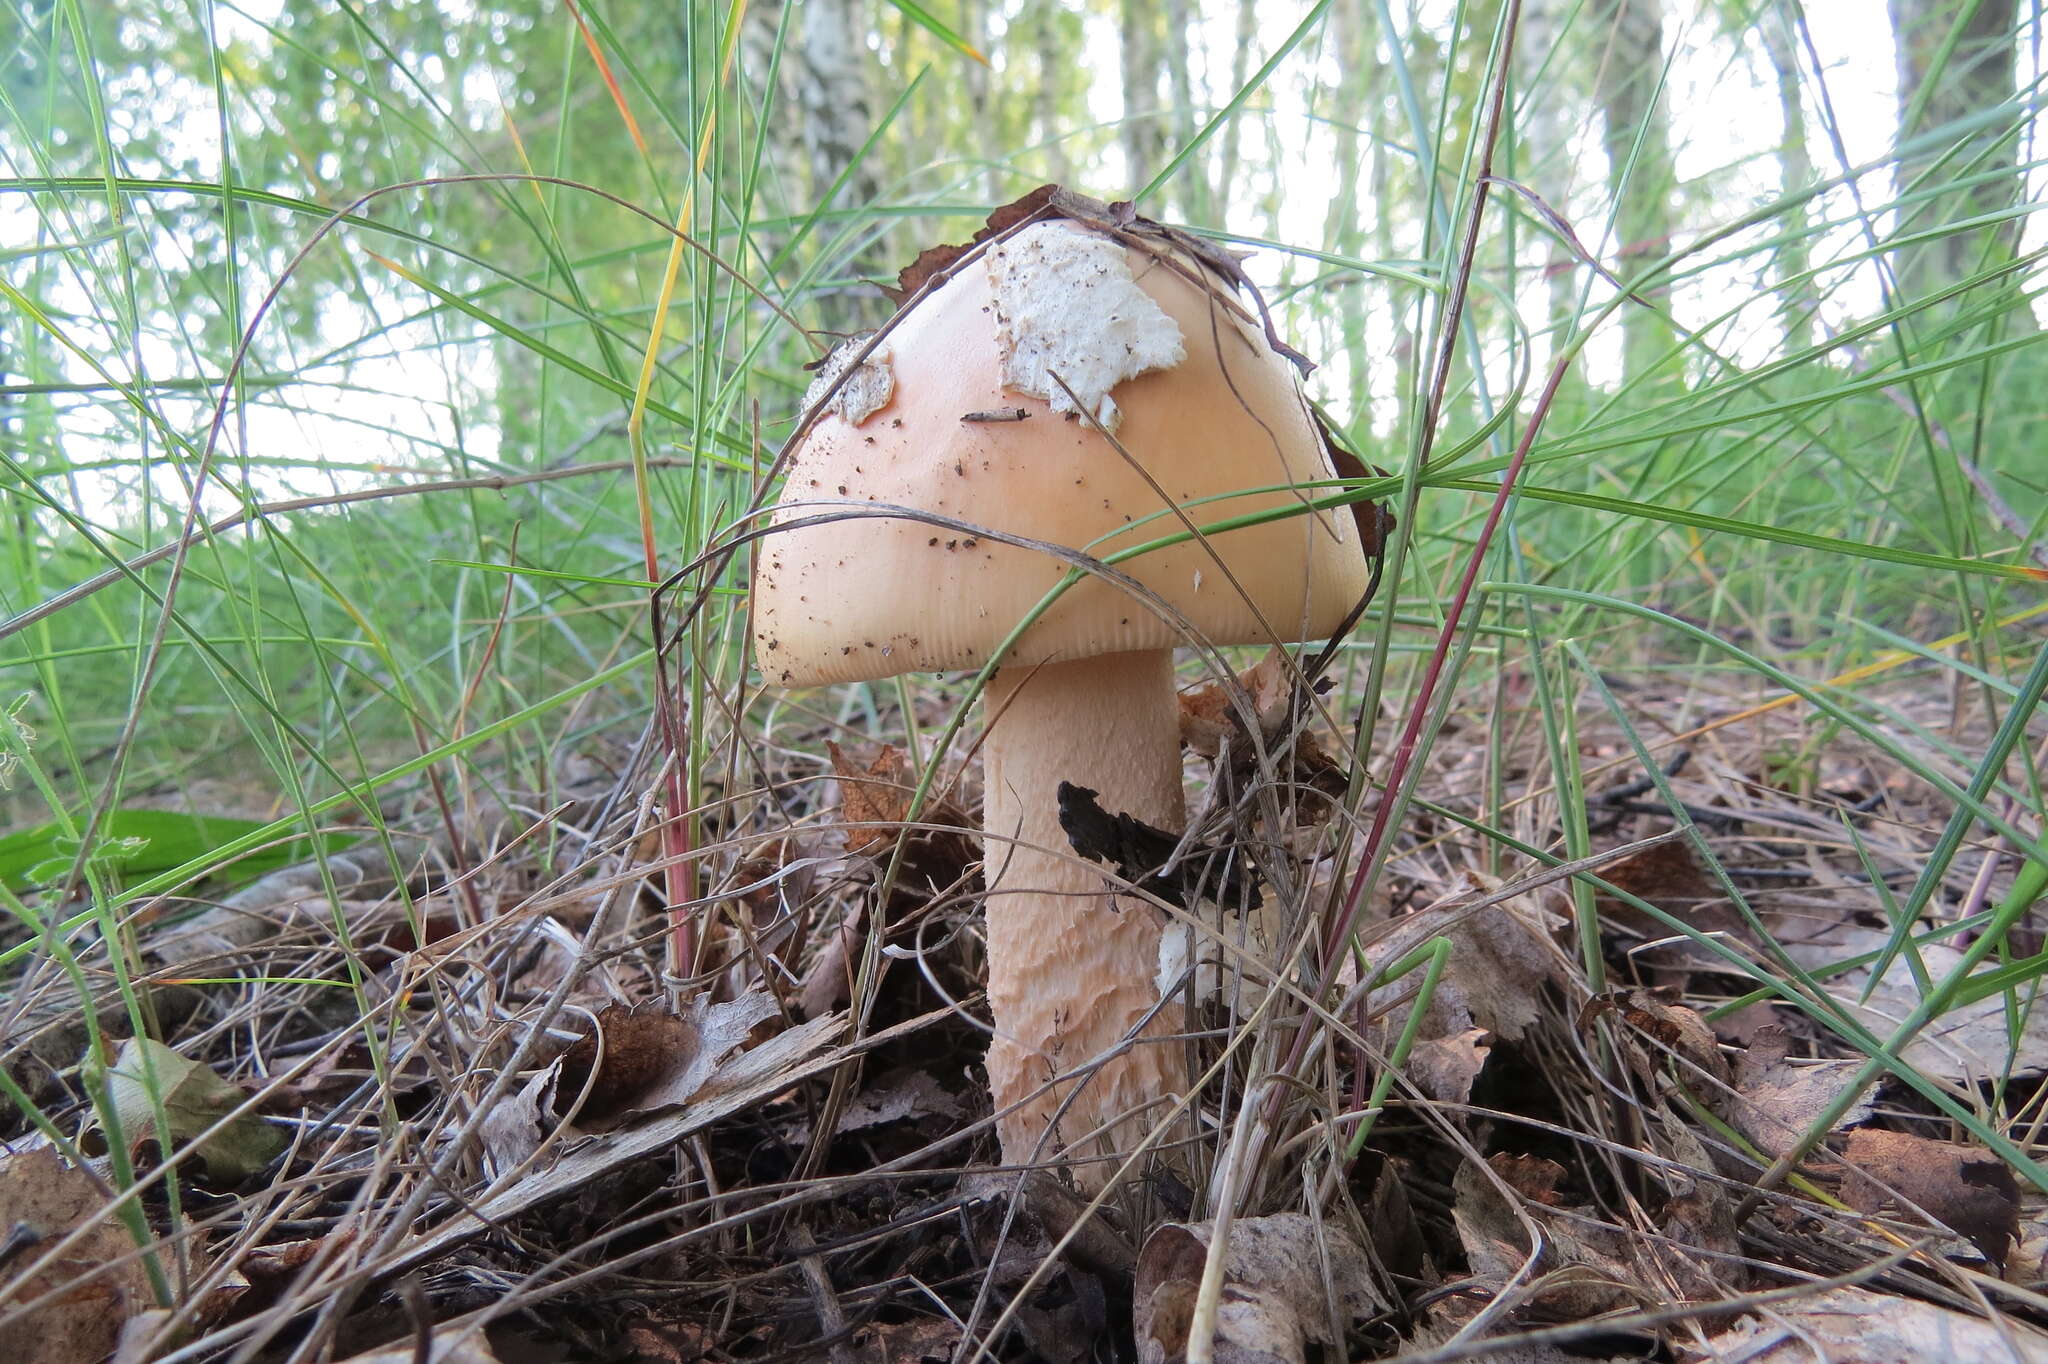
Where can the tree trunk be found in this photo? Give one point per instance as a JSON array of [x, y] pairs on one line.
[[1240, 60], [1635, 131], [1345, 230], [1976, 76], [1795, 176], [1190, 190], [1546, 127], [1142, 135], [1055, 65], [828, 69]]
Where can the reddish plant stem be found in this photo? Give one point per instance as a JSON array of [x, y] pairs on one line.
[[1454, 311]]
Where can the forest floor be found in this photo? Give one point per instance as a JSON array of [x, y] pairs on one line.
[[468, 1116]]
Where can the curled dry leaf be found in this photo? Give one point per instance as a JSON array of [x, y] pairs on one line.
[[518, 1123], [878, 796], [1585, 1266], [1855, 1326], [631, 1048], [1669, 876], [1776, 1102], [1287, 1280], [1675, 1029], [193, 1100], [1446, 1067], [714, 1032], [1965, 1188], [921, 1340], [1501, 959], [651, 1060], [1212, 726], [94, 1285]]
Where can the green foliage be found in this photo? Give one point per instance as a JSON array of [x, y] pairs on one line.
[[134, 844]]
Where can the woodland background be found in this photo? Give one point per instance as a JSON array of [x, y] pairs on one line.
[[356, 386]]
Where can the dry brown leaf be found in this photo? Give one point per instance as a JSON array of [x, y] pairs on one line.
[[1446, 1067], [1209, 723], [1284, 1278], [1777, 1102], [1501, 958], [875, 795], [897, 1096], [446, 1347], [1856, 1326], [639, 1045], [921, 1340], [715, 1031], [1672, 1026], [878, 796], [1965, 1188], [1533, 1177], [518, 1123], [1582, 1266], [42, 1200]]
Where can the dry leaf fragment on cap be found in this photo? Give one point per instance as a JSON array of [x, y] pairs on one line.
[[1962, 1187], [854, 381], [1776, 1103], [1288, 1280], [99, 1280]]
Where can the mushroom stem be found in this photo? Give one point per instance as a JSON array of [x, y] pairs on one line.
[[1072, 968]]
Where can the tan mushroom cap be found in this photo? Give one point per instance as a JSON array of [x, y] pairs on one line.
[[866, 597]]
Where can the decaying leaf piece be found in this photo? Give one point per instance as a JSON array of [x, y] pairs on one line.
[[42, 1200], [877, 795], [194, 1099], [1856, 1326], [1445, 1067], [1210, 725], [1501, 958], [631, 1049], [1672, 1026], [1584, 1265], [456, 1346], [515, 1126], [715, 1032], [921, 1340], [1138, 852], [873, 798], [1776, 1102], [1287, 1280], [1965, 1188], [869, 381]]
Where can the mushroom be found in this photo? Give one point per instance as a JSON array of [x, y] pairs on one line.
[[996, 389]]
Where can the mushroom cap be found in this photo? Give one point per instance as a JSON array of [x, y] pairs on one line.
[[868, 596]]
